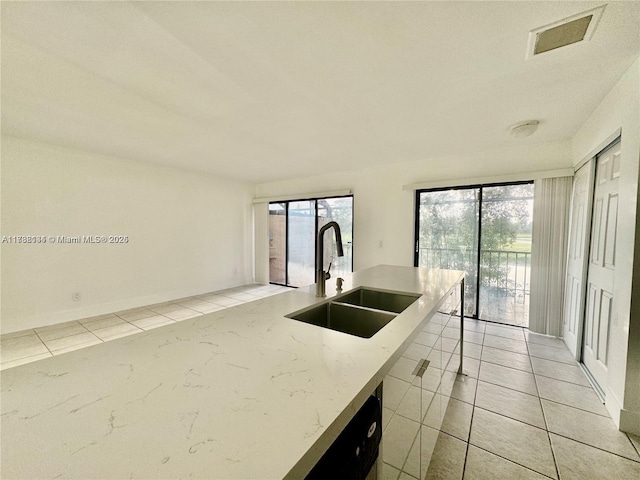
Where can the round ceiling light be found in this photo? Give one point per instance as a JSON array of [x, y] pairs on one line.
[[524, 129]]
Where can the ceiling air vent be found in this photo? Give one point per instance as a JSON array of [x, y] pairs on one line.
[[568, 31]]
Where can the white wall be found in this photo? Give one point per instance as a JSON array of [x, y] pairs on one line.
[[261, 235], [384, 212], [189, 233], [620, 109]]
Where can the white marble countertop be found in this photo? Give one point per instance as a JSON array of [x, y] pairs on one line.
[[243, 393]]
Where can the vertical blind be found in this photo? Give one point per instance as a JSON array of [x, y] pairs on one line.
[[552, 198]]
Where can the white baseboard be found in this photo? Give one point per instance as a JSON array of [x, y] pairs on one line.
[[614, 406], [630, 421], [625, 420], [52, 318]]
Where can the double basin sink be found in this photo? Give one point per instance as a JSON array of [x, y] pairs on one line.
[[362, 312]]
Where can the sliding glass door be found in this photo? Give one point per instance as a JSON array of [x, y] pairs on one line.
[[278, 243], [447, 226], [505, 253], [301, 243], [484, 230], [293, 227], [339, 210]]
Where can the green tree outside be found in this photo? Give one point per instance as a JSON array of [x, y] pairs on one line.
[[449, 223]]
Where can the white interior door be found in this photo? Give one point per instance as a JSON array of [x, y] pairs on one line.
[[602, 264], [577, 257]]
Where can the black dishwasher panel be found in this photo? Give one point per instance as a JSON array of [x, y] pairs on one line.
[[355, 451]]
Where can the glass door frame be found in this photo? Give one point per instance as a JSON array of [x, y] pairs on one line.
[[315, 245], [286, 242], [480, 187]]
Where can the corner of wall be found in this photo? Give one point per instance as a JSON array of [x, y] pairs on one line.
[[629, 421]]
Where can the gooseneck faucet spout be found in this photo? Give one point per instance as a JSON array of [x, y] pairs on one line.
[[321, 275]]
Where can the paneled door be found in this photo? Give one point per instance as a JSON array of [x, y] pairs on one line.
[[602, 264], [578, 254]]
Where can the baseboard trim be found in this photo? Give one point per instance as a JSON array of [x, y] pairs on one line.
[[613, 406], [630, 421], [52, 318]]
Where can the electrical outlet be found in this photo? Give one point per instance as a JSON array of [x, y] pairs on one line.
[[75, 296]]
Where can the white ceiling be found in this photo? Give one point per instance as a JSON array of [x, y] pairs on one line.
[[263, 91]]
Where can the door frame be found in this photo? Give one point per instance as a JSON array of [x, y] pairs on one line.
[[582, 301], [610, 141], [593, 374]]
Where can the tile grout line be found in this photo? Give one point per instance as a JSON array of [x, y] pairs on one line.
[[537, 396], [505, 349], [576, 408], [544, 417], [473, 411], [466, 452], [546, 428], [84, 345], [537, 389], [637, 449], [41, 341], [506, 366], [511, 418], [420, 420], [95, 336], [504, 386], [409, 453], [554, 360], [511, 461], [562, 348], [532, 395], [500, 456], [561, 380], [529, 353], [51, 352], [593, 446]]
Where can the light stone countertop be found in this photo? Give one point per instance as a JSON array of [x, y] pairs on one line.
[[243, 393]]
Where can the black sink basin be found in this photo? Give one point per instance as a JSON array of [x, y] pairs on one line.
[[379, 300], [349, 319]]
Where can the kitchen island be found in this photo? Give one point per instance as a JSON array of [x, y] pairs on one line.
[[243, 393]]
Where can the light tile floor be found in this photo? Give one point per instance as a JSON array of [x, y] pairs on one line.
[[527, 412], [31, 345]]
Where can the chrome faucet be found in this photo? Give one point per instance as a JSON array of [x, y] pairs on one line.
[[321, 275]]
